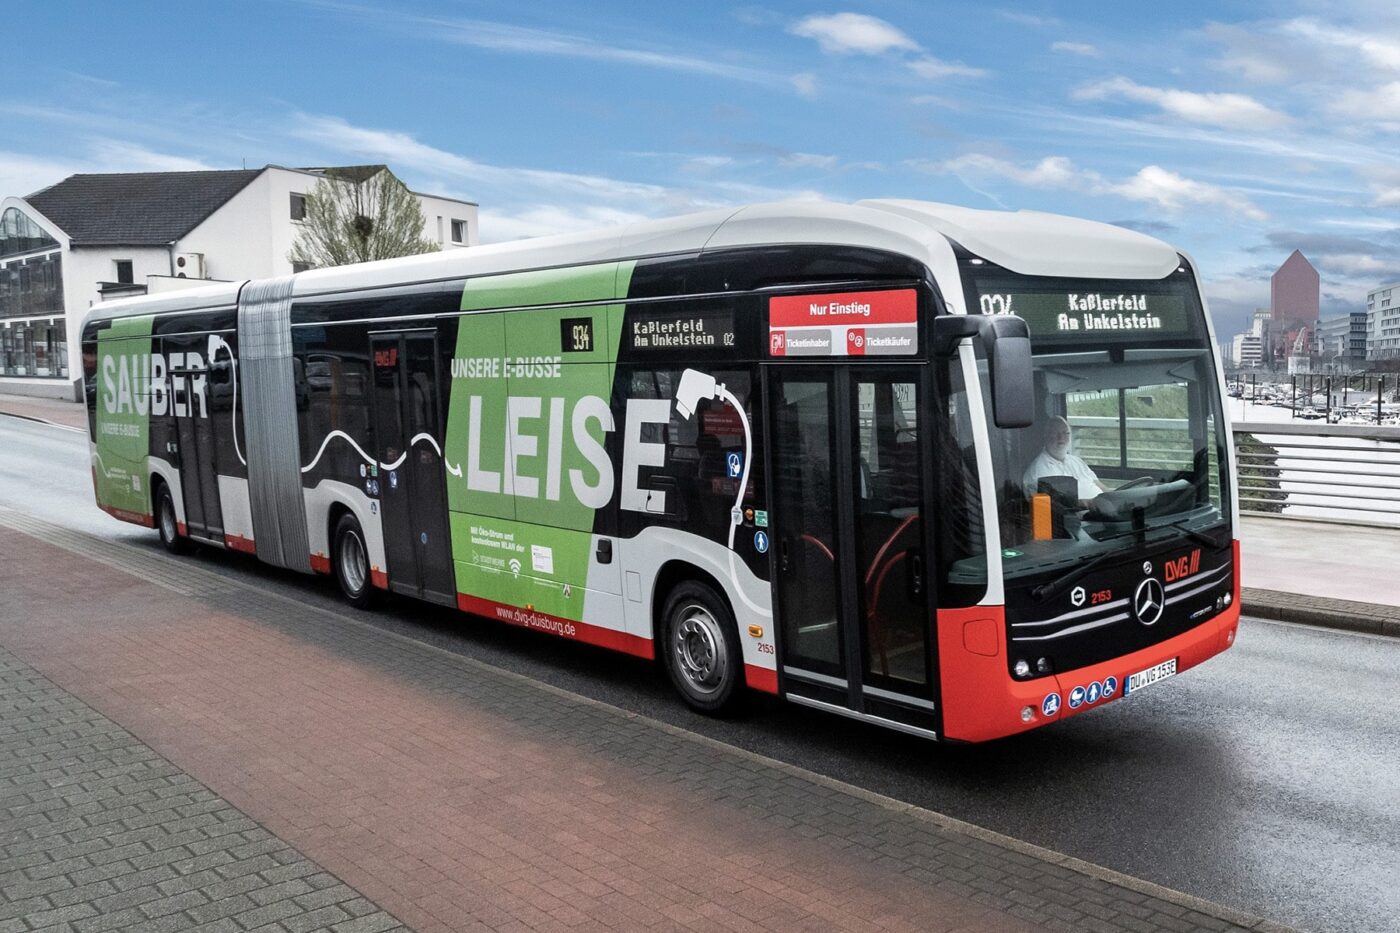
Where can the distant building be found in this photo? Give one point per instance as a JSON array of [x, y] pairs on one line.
[[1247, 350], [94, 237], [1295, 297], [1343, 338], [1295, 292], [1383, 322]]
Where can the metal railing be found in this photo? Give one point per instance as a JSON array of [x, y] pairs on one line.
[[1288, 469], [1319, 471]]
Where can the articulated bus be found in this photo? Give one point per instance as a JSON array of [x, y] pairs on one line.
[[958, 473]]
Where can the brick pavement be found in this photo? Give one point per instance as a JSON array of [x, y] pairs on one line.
[[459, 796], [98, 832]]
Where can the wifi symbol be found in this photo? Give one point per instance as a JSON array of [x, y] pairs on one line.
[[515, 566]]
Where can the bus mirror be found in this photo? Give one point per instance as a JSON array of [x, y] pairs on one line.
[[1007, 340]]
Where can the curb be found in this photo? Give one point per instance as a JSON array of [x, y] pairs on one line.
[[37, 420], [970, 831], [1341, 614]]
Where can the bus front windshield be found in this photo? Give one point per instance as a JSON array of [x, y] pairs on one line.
[[1127, 446]]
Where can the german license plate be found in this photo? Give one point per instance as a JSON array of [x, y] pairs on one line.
[[1150, 676]]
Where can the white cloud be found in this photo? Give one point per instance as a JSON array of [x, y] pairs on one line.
[[545, 219], [853, 33], [930, 67], [805, 83], [1355, 263], [1379, 50], [807, 160], [525, 40], [120, 156], [1077, 48], [1233, 111], [858, 34], [1156, 185], [402, 151], [1151, 185], [1050, 172], [1378, 105], [23, 173]]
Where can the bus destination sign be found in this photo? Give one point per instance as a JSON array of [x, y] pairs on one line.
[[881, 323], [1093, 314], [651, 331]]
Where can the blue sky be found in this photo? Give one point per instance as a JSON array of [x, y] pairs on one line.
[[1236, 131]]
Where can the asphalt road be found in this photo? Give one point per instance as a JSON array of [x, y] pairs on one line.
[[1268, 779]]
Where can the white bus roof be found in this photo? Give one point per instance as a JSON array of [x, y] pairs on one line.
[[1027, 242]]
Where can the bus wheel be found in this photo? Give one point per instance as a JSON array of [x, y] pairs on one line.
[[701, 647], [352, 562], [167, 524]]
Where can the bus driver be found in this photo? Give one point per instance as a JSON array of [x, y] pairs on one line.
[[1056, 460]]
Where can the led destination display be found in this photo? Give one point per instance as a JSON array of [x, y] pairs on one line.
[[1093, 314]]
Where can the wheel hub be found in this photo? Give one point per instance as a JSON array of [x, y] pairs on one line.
[[699, 650], [352, 562]]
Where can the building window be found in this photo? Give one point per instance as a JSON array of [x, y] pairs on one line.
[[459, 231], [298, 206], [125, 275]]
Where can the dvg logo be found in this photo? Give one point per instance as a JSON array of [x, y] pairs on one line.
[[1148, 601]]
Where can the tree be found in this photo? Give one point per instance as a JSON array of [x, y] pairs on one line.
[[358, 215]]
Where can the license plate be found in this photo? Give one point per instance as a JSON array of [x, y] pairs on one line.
[[1150, 676]]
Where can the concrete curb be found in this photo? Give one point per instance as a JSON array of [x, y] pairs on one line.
[[1342, 614], [37, 420]]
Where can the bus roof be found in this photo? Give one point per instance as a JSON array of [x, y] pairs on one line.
[[1027, 242]]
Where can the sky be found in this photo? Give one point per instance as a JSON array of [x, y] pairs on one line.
[[1235, 131]]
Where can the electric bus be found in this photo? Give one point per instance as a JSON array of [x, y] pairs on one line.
[[954, 472]]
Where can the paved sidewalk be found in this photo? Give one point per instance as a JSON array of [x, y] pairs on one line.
[[98, 832], [459, 796], [51, 410]]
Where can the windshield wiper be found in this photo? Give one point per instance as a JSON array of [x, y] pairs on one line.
[[1057, 585], [1199, 537]]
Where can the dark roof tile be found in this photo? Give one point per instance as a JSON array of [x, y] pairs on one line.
[[141, 209]]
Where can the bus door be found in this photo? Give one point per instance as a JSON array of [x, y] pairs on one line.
[[195, 453], [849, 483], [412, 489]]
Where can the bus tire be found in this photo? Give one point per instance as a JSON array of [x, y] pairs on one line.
[[350, 562], [700, 648], [167, 524]]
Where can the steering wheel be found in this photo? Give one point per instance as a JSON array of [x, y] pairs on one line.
[[1140, 481]]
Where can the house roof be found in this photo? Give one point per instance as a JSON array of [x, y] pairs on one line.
[[138, 209]]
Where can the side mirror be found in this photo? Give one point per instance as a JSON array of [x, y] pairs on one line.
[[1008, 344]]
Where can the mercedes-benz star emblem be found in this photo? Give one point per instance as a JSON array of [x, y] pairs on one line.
[[1148, 601]]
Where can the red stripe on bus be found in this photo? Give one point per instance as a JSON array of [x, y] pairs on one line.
[[378, 579], [761, 678], [240, 543], [124, 515], [557, 625], [320, 563]]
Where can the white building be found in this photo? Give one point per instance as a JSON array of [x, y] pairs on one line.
[[1383, 322], [92, 237], [1247, 350]]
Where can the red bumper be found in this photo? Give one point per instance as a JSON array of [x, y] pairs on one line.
[[982, 702]]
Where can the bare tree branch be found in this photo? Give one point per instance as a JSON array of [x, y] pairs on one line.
[[359, 221]]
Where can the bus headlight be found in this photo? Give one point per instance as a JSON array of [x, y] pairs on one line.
[[1022, 668], [1027, 714], [1043, 666]]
